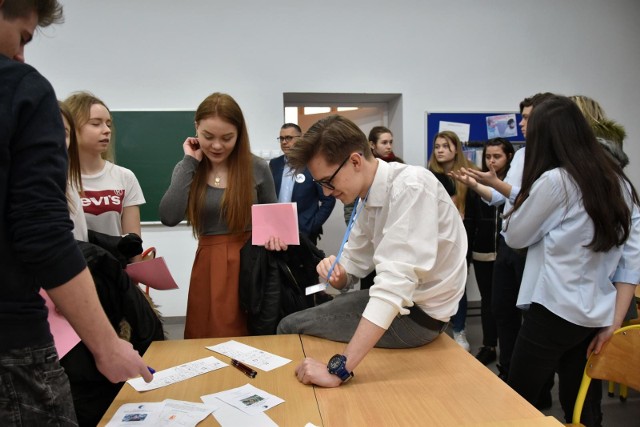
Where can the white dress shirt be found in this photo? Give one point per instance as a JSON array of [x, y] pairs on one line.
[[286, 185], [412, 234], [561, 273]]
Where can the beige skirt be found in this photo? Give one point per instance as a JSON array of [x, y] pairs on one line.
[[213, 308]]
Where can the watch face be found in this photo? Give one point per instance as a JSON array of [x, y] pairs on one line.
[[335, 362]]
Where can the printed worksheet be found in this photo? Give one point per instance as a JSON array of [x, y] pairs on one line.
[[250, 355], [178, 373], [167, 413], [249, 399], [229, 416]]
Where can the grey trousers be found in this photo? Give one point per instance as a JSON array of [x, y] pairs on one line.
[[338, 319]]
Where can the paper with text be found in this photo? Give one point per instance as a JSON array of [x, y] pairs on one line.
[[250, 355], [229, 416], [249, 399], [274, 219], [178, 373], [166, 413]]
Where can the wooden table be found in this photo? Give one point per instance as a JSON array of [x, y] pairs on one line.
[[439, 384], [300, 405]]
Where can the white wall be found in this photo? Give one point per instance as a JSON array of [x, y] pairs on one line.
[[441, 56]]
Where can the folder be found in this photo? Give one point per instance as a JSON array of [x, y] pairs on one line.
[[153, 273], [275, 219]]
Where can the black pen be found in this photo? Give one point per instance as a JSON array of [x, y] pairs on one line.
[[244, 368]]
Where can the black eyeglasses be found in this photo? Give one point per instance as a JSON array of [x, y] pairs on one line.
[[287, 138], [326, 183]]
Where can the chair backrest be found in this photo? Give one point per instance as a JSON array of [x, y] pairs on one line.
[[619, 360]]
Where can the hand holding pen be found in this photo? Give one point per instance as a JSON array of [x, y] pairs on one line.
[[331, 271]]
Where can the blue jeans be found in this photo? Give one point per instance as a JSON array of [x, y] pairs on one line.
[[34, 390], [459, 320], [338, 319]]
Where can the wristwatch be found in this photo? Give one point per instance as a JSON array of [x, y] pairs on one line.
[[337, 366]]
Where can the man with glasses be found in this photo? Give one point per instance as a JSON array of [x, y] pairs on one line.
[[313, 206], [404, 226]]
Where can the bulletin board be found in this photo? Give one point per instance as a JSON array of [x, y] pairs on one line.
[[478, 127]]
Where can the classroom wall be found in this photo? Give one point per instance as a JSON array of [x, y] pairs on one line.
[[441, 56]]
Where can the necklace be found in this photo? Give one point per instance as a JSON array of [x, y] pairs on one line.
[[216, 181]]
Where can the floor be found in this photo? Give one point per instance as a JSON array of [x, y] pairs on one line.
[[616, 413]]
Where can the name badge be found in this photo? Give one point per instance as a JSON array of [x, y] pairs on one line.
[[300, 178]]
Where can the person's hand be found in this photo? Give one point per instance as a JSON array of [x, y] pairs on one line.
[[120, 361], [191, 147], [489, 178], [275, 244], [324, 266], [600, 340], [463, 177], [311, 371]]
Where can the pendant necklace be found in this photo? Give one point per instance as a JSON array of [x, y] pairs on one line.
[[216, 181]]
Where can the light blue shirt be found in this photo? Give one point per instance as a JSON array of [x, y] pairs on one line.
[[286, 186], [560, 273]]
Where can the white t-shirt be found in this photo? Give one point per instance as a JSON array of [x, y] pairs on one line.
[[80, 231], [106, 194]]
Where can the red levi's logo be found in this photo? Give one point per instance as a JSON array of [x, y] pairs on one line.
[[98, 202]]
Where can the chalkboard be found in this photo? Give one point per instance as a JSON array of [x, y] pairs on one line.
[[150, 144], [477, 122]]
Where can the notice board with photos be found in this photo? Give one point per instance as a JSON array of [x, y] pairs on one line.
[[474, 129]]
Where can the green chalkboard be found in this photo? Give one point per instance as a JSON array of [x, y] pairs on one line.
[[150, 144]]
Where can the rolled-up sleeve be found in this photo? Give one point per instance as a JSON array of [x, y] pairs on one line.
[[628, 270]]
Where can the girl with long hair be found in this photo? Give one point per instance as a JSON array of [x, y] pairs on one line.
[[112, 195], [483, 224], [577, 213], [447, 156], [214, 186]]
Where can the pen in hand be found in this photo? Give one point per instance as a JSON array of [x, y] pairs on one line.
[[244, 368]]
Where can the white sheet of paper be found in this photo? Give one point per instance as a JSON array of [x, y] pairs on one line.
[[185, 414], [138, 414], [250, 355], [249, 399], [461, 129], [167, 413], [228, 416], [178, 373], [315, 288]]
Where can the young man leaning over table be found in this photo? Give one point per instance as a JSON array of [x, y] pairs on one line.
[[404, 226]]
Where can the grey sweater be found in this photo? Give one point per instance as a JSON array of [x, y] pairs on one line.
[[173, 206]]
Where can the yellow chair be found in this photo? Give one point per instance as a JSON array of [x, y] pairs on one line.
[[618, 361]]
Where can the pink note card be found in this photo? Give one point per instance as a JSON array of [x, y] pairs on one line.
[[153, 273], [275, 219], [64, 336]]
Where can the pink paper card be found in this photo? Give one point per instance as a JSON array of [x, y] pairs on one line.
[[64, 336], [275, 219], [153, 273]]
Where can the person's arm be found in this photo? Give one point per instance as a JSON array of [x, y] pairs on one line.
[[542, 211], [463, 175], [173, 206], [115, 358], [625, 292], [312, 371]]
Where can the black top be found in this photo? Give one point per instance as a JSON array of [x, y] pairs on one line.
[[37, 248]]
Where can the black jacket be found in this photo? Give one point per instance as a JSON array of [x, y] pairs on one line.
[[483, 224], [272, 284]]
